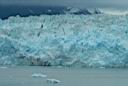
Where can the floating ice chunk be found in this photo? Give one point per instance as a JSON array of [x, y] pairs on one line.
[[39, 75], [59, 66], [54, 81], [3, 67], [102, 67]]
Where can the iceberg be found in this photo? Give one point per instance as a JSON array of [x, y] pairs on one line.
[[39, 75], [65, 40], [53, 81]]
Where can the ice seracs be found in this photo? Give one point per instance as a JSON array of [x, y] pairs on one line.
[[65, 40]]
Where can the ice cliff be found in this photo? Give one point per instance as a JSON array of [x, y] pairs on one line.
[[65, 40]]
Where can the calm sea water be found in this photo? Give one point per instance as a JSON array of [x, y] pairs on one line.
[[22, 76]]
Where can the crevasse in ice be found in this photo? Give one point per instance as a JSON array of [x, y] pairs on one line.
[[65, 40]]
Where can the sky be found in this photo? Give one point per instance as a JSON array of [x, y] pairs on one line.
[[74, 3]]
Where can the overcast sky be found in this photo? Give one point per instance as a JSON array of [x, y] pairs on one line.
[[75, 3]]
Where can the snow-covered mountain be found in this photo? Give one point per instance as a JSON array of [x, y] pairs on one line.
[[78, 11], [25, 11], [6, 11]]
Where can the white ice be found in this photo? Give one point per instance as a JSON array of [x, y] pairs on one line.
[[65, 40], [39, 75], [54, 81]]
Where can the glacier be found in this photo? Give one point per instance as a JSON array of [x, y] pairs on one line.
[[99, 40]]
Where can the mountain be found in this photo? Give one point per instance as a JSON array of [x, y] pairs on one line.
[[6, 11]]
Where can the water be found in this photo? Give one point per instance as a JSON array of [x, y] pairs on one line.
[[22, 76]]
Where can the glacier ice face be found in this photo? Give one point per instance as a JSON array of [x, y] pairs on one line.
[[65, 40]]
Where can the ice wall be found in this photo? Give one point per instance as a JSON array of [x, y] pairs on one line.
[[65, 40]]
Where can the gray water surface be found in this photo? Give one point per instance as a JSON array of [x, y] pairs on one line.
[[22, 76]]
